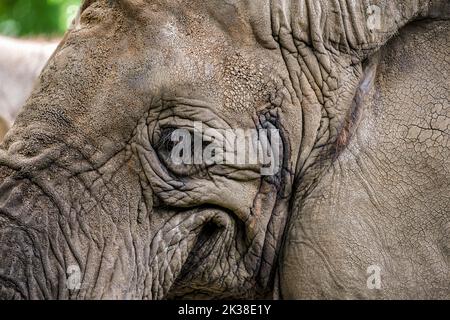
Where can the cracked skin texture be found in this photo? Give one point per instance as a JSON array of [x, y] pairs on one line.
[[385, 200], [85, 177]]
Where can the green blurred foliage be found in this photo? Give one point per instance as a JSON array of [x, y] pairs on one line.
[[36, 17]]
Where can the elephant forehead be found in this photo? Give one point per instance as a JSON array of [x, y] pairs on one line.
[[172, 18], [236, 86]]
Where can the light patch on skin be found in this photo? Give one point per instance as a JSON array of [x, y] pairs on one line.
[[354, 115], [76, 23], [170, 33], [209, 70]]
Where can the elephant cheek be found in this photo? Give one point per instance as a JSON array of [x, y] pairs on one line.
[[29, 268]]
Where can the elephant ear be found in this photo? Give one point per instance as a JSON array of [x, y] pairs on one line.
[[316, 194], [359, 27], [327, 248]]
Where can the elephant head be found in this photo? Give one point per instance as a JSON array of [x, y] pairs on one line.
[[89, 189]]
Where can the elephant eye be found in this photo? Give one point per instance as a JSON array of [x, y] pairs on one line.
[[176, 150], [165, 142]]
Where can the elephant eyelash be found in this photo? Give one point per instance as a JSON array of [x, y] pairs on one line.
[[165, 141], [164, 146]]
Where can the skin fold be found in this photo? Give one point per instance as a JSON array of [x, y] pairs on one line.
[[86, 181]]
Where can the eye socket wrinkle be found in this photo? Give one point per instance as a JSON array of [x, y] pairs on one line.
[[166, 138]]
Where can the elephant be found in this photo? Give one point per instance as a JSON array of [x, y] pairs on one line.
[[21, 62], [94, 206]]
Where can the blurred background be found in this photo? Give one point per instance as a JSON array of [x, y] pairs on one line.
[[36, 18], [30, 31]]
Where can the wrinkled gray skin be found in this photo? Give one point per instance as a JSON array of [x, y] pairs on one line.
[[86, 181], [21, 62]]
